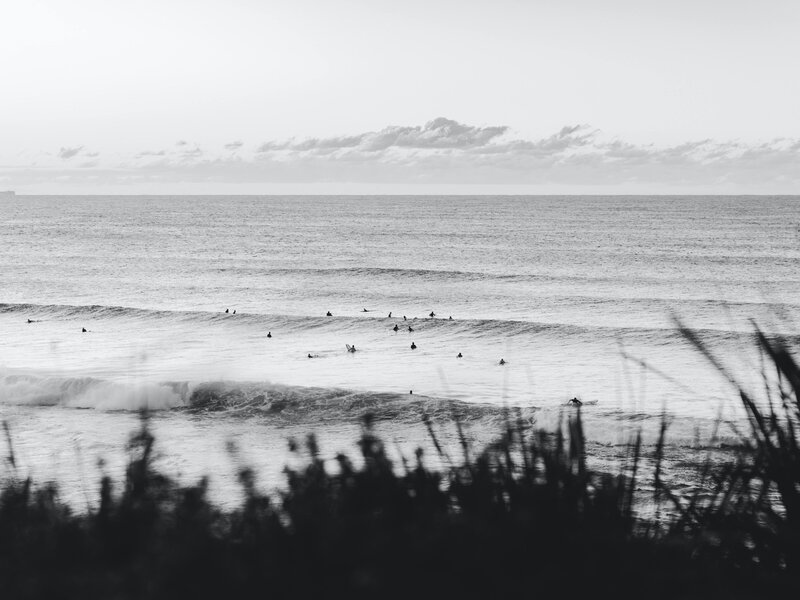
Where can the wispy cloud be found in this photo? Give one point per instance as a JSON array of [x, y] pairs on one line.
[[67, 153], [442, 151]]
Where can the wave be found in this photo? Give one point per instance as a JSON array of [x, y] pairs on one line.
[[372, 272], [473, 328], [88, 392], [261, 399], [447, 275]]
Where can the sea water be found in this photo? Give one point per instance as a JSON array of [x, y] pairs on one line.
[[206, 309]]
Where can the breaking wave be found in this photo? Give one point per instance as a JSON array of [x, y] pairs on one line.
[[242, 399]]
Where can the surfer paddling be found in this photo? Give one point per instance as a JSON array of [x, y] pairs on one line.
[[574, 402]]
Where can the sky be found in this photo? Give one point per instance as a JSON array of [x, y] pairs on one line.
[[371, 96]]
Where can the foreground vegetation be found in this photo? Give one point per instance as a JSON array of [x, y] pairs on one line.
[[524, 516]]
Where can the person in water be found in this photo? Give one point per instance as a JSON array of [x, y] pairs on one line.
[[328, 314], [574, 402], [309, 355], [365, 310], [269, 334], [395, 328], [29, 321], [502, 361], [460, 355], [413, 346], [390, 315], [410, 328], [404, 317], [351, 349], [451, 318], [227, 311], [411, 392], [83, 329], [433, 314]]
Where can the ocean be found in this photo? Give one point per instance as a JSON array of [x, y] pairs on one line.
[[206, 310]]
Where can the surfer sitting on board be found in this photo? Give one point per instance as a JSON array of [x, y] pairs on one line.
[[328, 314], [395, 328], [350, 348]]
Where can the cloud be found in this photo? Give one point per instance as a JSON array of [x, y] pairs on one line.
[[445, 151], [67, 153], [439, 133]]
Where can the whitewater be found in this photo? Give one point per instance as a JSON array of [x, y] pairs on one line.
[[206, 310]]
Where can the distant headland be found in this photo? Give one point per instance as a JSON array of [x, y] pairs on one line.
[[7, 194]]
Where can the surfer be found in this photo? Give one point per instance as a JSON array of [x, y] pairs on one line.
[[460, 355], [395, 328], [413, 346], [451, 318], [328, 314], [83, 329], [234, 311], [350, 348], [502, 361], [411, 392], [269, 334], [29, 321], [226, 311], [574, 402], [365, 310], [433, 314], [410, 328], [309, 355], [390, 315], [404, 317]]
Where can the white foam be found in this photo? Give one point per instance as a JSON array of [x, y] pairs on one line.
[[87, 392]]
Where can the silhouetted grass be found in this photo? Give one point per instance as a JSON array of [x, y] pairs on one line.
[[522, 517]]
